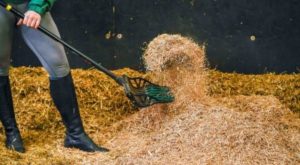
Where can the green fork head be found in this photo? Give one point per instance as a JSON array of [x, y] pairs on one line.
[[143, 93]]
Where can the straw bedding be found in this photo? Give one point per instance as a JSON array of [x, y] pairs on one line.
[[209, 123]]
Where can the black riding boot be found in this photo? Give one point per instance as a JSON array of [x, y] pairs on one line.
[[64, 97], [7, 117]]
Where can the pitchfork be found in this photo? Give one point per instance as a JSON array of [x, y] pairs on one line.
[[141, 92]]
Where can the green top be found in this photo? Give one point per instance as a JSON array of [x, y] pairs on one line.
[[39, 6]]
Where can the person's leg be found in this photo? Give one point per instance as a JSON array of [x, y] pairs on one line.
[[7, 27], [53, 58], [7, 115], [50, 53]]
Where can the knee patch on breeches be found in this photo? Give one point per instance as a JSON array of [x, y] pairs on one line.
[[58, 71]]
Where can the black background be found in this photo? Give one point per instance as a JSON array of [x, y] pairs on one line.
[[225, 26]]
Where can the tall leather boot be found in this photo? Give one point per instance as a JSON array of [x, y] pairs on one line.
[[63, 94], [7, 117]]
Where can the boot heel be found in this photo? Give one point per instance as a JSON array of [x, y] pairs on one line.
[[14, 142], [84, 143]]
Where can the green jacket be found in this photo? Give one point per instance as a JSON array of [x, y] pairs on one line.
[[39, 6]]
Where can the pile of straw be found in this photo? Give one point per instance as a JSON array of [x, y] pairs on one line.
[[258, 130], [232, 130]]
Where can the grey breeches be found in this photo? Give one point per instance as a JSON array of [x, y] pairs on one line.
[[50, 53]]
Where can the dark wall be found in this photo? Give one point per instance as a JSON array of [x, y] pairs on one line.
[[224, 25]]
